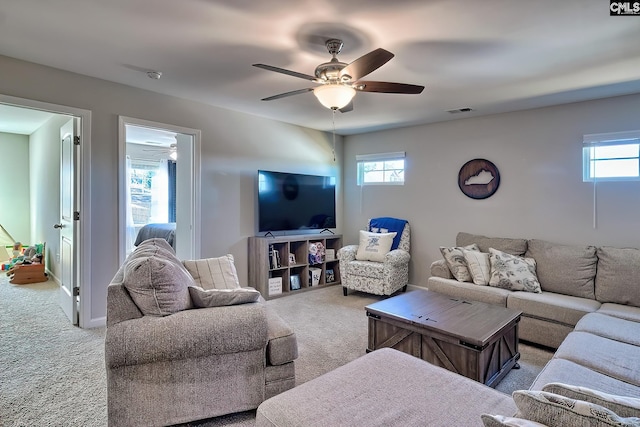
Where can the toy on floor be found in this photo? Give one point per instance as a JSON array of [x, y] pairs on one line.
[[27, 266]]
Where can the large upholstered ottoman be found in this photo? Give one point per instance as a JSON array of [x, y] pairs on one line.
[[385, 388]]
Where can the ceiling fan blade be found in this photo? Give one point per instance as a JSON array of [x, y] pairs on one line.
[[347, 108], [366, 64], [388, 87], [284, 95], [287, 72]]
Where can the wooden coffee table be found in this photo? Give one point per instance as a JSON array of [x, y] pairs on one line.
[[471, 338]]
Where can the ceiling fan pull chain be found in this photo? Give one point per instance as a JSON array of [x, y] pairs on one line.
[[333, 119]]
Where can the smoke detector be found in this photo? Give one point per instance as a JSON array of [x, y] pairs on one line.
[[155, 75]]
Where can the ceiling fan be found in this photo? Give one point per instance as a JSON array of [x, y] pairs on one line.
[[339, 81], [172, 149]]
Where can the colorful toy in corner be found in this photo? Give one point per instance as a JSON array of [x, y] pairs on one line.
[[26, 265], [316, 253]]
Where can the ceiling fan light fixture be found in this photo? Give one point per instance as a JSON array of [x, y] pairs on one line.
[[334, 96]]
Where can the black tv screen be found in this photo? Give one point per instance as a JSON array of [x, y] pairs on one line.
[[289, 201]]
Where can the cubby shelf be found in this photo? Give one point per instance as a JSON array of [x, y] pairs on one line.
[[275, 280]]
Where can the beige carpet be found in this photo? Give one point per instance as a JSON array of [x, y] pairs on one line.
[[52, 374]]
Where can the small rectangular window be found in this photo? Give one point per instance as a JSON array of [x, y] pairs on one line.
[[611, 157], [383, 168]]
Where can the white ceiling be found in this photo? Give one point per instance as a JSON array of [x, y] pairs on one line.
[[490, 55]]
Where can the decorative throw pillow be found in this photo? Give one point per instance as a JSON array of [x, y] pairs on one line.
[[374, 246], [214, 273], [513, 272], [624, 406], [502, 421], [220, 297], [552, 409], [479, 266], [158, 285], [456, 262]]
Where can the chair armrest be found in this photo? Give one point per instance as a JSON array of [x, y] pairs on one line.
[[347, 253], [186, 334], [397, 257], [440, 268]]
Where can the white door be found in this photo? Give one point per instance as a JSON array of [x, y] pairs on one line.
[[69, 295]]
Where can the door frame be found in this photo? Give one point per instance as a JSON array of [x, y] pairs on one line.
[[195, 179], [82, 251]]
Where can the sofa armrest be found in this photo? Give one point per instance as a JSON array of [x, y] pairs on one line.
[[186, 334], [397, 257], [440, 268], [120, 306], [347, 253]]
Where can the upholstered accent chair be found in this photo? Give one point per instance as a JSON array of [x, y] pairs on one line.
[[194, 364], [378, 277]]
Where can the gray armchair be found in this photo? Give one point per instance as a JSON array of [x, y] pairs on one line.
[[380, 278], [193, 364]]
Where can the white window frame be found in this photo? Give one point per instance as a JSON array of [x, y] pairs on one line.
[[608, 139], [361, 159]]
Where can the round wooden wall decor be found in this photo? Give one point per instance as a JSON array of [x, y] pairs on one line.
[[479, 179]]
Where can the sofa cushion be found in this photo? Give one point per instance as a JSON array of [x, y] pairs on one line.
[[508, 245], [618, 278], [479, 266], [205, 298], [502, 421], [214, 273], [554, 410], [611, 327], [513, 272], [568, 372], [612, 358], [158, 285], [558, 308], [564, 269], [469, 291], [374, 246], [456, 262], [622, 311], [624, 406], [370, 269]]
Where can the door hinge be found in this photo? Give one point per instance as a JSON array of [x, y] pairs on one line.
[[76, 291], [76, 140], [76, 216]]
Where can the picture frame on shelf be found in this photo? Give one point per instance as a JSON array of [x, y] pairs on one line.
[[330, 275], [294, 282], [275, 286], [292, 259]]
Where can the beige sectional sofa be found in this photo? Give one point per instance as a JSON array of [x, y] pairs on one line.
[[575, 280], [589, 308]]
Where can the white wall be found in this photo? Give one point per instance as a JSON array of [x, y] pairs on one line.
[[234, 147], [44, 168], [541, 194], [14, 187]]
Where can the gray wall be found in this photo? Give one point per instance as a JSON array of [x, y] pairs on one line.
[[14, 191], [541, 195], [234, 147]]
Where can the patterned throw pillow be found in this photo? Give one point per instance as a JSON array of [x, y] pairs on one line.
[[374, 246], [479, 266], [214, 273], [513, 272], [456, 262], [502, 421], [624, 406], [552, 409]]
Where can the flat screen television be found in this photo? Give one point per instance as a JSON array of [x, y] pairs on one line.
[[289, 201]]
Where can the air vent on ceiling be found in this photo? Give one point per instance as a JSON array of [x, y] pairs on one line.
[[460, 110]]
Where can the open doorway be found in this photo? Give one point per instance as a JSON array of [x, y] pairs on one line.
[[159, 186], [40, 181]]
